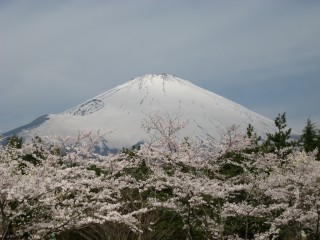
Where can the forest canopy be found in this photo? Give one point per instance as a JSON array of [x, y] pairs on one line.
[[235, 187]]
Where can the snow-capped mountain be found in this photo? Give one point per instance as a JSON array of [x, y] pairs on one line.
[[123, 109]]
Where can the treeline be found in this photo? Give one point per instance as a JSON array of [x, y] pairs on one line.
[[235, 187]]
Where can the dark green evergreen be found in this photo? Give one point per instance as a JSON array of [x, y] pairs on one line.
[[280, 140], [15, 142], [310, 138]]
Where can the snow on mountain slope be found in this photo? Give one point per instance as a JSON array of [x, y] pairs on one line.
[[123, 109]]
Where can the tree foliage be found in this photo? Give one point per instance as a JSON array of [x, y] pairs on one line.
[[310, 138], [279, 142], [169, 188]]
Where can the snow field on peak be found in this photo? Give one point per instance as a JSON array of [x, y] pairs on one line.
[[120, 112]]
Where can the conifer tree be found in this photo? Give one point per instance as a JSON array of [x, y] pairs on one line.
[[309, 136], [15, 141], [279, 140], [252, 135]]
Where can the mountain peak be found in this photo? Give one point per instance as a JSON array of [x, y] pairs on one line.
[[123, 109], [162, 76], [157, 82], [152, 78]]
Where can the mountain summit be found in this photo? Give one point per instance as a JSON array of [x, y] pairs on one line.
[[123, 109]]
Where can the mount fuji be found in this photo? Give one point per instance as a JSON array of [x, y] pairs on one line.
[[122, 110]]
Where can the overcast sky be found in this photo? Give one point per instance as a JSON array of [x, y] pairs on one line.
[[264, 55]]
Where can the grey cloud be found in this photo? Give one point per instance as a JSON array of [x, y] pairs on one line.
[[54, 54]]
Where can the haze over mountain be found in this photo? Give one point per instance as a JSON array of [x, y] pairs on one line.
[[122, 110]]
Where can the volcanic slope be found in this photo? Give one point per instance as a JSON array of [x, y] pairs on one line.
[[122, 110]]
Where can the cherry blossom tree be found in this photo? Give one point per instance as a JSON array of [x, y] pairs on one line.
[[213, 189], [295, 188], [60, 191]]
